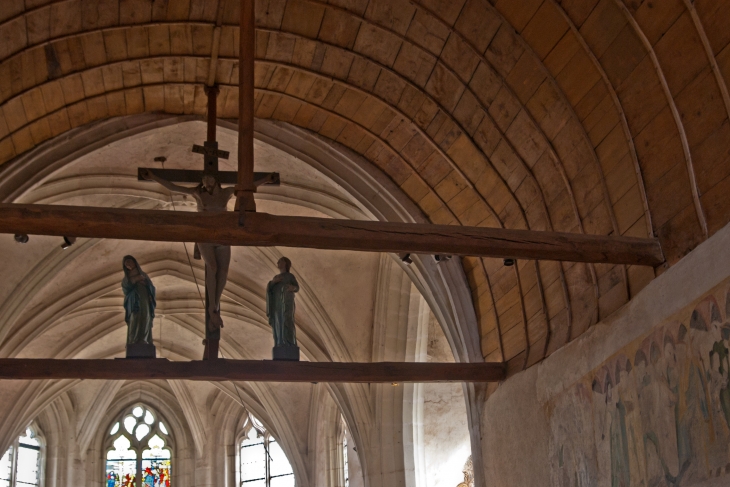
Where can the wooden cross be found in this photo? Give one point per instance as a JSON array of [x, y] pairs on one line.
[[211, 157]]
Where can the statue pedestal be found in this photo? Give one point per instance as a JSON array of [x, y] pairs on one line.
[[287, 352], [141, 350]]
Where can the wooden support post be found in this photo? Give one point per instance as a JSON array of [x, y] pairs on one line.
[[244, 200], [264, 230], [212, 92], [212, 338], [212, 154], [250, 370]]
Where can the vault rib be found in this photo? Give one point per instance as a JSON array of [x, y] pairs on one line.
[[627, 134], [675, 113], [721, 84], [553, 153]]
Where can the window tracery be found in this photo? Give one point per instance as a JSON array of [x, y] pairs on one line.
[[138, 452], [20, 466], [263, 463], [346, 465]]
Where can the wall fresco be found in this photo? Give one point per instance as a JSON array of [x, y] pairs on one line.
[[656, 414]]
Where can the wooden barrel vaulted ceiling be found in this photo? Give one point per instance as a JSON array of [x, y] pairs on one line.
[[604, 117]]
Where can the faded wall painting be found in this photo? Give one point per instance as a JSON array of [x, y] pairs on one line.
[[655, 414]]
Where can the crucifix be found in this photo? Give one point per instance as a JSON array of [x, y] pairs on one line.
[[211, 155], [209, 194]]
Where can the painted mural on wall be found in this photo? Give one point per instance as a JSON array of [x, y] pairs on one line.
[[655, 414]]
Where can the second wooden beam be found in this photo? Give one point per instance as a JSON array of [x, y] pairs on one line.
[[249, 370]]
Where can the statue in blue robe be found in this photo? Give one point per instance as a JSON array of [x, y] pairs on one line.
[[139, 302], [280, 305]]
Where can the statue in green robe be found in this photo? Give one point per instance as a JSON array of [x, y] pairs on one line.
[[280, 305], [139, 302]]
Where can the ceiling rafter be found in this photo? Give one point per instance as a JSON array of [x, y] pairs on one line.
[[561, 168], [721, 84], [622, 114], [675, 113]]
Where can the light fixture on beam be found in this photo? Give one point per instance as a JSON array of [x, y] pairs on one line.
[[21, 238], [67, 242], [509, 262]]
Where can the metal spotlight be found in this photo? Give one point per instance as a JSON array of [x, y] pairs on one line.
[[441, 258], [67, 242], [406, 258], [21, 238], [509, 262]]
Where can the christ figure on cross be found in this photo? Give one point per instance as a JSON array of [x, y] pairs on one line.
[[210, 196]]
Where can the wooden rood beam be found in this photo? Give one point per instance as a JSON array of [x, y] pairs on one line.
[[264, 230], [249, 370]]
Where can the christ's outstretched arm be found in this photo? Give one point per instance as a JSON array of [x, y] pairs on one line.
[[149, 175]]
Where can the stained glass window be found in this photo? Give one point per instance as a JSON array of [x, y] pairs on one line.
[[263, 463], [20, 465], [138, 451]]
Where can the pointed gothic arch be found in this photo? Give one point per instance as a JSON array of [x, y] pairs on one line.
[[139, 449]]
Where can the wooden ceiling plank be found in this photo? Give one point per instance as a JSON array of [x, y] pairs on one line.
[[249, 370], [264, 230]]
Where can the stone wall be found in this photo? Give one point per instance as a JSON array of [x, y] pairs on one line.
[[445, 425], [641, 399]]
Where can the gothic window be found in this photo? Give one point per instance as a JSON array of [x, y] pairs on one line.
[[138, 451], [21, 464], [341, 458], [262, 461], [346, 466]]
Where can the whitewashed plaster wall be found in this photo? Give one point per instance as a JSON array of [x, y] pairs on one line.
[[517, 417], [445, 425], [59, 303]]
